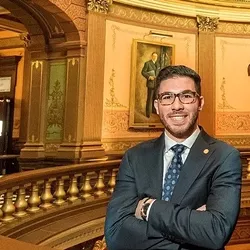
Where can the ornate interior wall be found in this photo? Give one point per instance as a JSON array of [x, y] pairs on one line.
[[119, 78], [232, 86], [81, 72], [216, 44]]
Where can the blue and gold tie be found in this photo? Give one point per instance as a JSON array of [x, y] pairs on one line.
[[173, 172]]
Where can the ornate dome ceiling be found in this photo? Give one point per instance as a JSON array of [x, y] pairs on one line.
[[229, 10]]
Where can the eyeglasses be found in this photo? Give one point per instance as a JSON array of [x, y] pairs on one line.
[[185, 97]]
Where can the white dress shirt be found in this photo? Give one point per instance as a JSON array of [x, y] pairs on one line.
[[169, 154]]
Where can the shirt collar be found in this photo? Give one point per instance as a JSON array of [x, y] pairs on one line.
[[188, 142]]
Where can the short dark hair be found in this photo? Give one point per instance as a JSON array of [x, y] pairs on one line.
[[177, 71]]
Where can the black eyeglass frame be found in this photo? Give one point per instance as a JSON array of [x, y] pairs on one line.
[[159, 97]]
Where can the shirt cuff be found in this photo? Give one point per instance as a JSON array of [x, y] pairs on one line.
[[149, 209]]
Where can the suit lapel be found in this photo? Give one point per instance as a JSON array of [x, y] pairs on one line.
[[196, 160], [153, 65], [155, 168]]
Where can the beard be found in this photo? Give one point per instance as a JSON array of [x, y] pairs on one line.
[[182, 131]]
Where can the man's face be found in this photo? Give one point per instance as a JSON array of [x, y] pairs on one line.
[[154, 57], [179, 120]]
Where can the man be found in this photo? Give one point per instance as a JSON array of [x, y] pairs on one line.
[[150, 70], [181, 190]]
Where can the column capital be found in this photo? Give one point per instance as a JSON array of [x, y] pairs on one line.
[[101, 6], [207, 24]]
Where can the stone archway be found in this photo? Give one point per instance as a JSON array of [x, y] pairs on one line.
[[56, 33], [58, 43], [49, 22]]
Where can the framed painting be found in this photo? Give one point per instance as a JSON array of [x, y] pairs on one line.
[[148, 58]]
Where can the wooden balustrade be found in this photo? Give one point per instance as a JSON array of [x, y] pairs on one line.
[[245, 159], [28, 193], [38, 192]]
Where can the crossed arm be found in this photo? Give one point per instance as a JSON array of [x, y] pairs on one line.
[[171, 224], [139, 209]]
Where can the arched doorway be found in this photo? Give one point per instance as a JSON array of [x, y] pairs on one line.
[[45, 36]]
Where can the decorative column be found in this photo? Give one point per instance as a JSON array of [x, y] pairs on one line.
[[99, 6], [84, 92], [206, 51], [34, 146], [70, 147], [91, 146]]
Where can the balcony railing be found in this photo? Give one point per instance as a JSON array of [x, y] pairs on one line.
[[44, 193], [29, 198]]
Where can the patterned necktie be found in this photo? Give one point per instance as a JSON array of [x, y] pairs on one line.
[[173, 172]]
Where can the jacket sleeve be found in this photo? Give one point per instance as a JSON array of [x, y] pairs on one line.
[[122, 229], [211, 228], [145, 70]]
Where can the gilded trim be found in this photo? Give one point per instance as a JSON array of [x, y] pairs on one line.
[[235, 141], [101, 6], [144, 16], [207, 24], [228, 10]]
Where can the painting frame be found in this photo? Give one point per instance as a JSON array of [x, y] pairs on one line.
[[142, 114]]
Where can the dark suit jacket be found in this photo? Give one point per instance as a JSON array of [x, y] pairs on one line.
[[150, 69], [211, 175]]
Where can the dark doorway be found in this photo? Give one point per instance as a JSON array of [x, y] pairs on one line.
[[8, 71]]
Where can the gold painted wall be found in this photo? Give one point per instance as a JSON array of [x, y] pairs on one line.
[[117, 78], [232, 86]]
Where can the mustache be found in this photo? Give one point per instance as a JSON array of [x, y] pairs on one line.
[[177, 113]]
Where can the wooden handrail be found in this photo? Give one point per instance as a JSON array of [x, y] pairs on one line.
[[9, 181], [30, 194]]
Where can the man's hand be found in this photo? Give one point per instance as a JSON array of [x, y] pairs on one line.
[[151, 78], [139, 207], [202, 208]]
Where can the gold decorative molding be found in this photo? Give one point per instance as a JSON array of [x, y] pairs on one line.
[[115, 122], [101, 6], [119, 146], [237, 141], [51, 147], [224, 103], [207, 24], [85, 232], [37, 64], [116, 125], [233, 123], [234, 28], [25, 37], [113, 101], [227, 10], [73, 61], [153, 18]]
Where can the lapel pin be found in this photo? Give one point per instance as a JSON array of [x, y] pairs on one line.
[[205, 151]]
